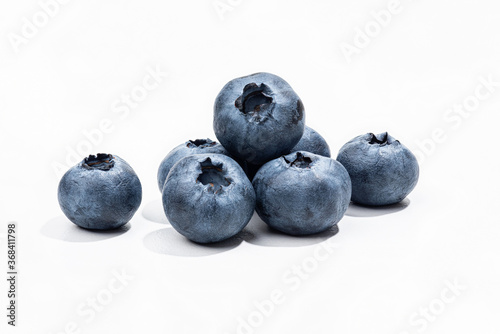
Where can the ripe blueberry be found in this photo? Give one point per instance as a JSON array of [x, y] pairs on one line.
[[102, 192], [258, 117], [208, 198], [302, 193], [383, 171]]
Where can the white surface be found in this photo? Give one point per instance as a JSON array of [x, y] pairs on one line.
[[384, 265]]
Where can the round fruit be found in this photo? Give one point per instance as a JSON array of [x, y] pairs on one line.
[[208, 198], [302, 193], [102, 192], [258, 117], [383, 171]]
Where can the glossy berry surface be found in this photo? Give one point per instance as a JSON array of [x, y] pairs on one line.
[[102, 192], [198, 146], [208, 198], [258, 117], [383, 171], [302, 193]]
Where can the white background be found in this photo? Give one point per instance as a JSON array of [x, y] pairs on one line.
[[385, 268]]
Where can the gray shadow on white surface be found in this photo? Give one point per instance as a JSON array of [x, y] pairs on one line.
[[356, 210], [153, 211], [61, 228], [263, 235], [168, 241]]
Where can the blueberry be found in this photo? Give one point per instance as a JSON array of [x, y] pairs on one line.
[[302, 193], [102, 192], [313, 142], [190, 147], [258, 117], [208, 198], [383, 171]]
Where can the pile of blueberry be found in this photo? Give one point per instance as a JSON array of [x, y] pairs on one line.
[[267, 161]]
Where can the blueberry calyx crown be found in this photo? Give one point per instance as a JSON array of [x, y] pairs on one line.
[[213, 175], [256, 101], [381, 139], [201, 143], [101, 161], [301, 161]]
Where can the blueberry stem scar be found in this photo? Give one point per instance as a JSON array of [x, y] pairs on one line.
[[300, 161], [202, 143], [254, 98], [100, 161], [213, 175], [383, 140]]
